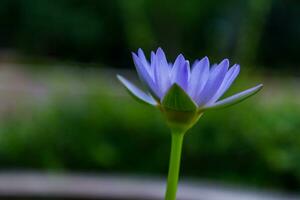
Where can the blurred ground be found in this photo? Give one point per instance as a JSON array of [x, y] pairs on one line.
[[18, 185]]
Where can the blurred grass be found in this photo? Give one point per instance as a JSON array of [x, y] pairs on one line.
[[104, 130]]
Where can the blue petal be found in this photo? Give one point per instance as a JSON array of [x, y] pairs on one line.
[[199, 76], [235, 98], [227, 82], [180, 72], [136, 92], [142, 57], [195, 63], [145, 76], [161, 56], [153, 57], [143, 60], [214, 82], [161, 72]]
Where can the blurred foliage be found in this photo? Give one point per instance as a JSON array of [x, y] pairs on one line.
[[261, 32], [253, 142]]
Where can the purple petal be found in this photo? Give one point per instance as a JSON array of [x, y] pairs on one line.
[[145, 76], [213, 83], [180, 72], [195, 63], [153, 56], [161, 56], [199, 76], [135, 91], [161, 72], [152, 60], [143, 59], [235, 98], [213, 67], [227, 82]]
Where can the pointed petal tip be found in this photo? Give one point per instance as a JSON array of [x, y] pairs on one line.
[[236, 68], [181, 56], [187, 62], [152, 54], [140, 51], [205, 58], [260, 86], [257, 88], [224, 62], [254, 89], [119, 77], [203, 62], [160, 50], [136, 92], [134, 55], [136, 59], [236, 65], [234, 99], [122, 79]]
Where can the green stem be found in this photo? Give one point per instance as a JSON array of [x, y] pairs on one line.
[[174, 166]]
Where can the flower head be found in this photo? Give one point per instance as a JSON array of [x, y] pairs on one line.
[[180, 87]]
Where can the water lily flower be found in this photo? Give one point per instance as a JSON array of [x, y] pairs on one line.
[[201, 84], [183, 92]]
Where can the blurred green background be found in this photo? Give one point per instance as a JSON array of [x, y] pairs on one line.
[[62, 109]]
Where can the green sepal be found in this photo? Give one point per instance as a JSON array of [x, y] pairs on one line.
[[179, 110], [176, 99]]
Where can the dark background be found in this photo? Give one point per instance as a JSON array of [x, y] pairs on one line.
[[259, 32]]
